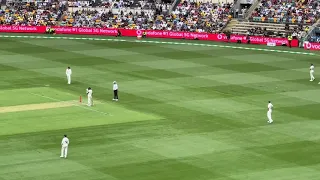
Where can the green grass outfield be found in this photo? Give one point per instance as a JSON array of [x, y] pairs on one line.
[[186, 111]]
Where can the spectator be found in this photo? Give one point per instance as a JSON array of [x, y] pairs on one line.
[[188, 16], [288, 11], [33, 13]]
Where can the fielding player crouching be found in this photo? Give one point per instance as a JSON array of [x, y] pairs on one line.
[[50, 31], [144, 34]]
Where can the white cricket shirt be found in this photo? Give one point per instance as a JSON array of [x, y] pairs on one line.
[[270, 106], [115, 86], [312, 68], [89, 92], [65, 142], [68, 72]]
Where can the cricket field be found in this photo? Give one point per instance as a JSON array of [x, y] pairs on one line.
[[187, 110]]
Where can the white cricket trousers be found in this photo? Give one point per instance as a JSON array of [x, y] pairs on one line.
[[269, 117], [311, 75], [69, 79], [89, 100], [64, 151]]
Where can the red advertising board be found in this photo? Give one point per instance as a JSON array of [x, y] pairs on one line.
[[311, 46], [211, 37], [23, 29], [86, 31], [150, 33]]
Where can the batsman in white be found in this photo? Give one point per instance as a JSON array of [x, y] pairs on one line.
[[64, 148], [89, 93], [270, 107], [312, 72], [68, 73]]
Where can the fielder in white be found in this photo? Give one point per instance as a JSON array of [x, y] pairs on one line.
[[68, 73], [270, 107], [115, 91], [312, 72], [89, 93], [64, 148]]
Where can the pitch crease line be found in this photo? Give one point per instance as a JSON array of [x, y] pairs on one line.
[[54, 99]]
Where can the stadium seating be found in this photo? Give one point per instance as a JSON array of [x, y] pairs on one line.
[[147, 14], [38, 13], [114, 13], [287, 11], [188, 16], [268, 29], [280, 17], [116, 4], [201, 17]]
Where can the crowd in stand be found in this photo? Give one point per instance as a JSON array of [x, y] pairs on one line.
[[287, 11], [36, 14], [188, 16], [201, 17], [148, 14]]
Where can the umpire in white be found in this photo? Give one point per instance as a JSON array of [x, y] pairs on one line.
[[115, 91]]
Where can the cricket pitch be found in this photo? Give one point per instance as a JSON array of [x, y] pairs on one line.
[[40, 106]]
